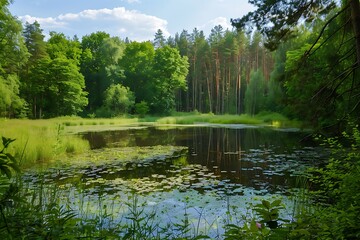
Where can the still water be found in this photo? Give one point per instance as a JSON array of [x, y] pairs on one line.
[[259, 158], [201, 172]]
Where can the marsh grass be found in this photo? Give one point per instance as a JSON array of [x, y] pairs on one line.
[[278, 120], [77, 121], [54, 212], [210, 118], [39, 141], [263, 118], [50, 212]]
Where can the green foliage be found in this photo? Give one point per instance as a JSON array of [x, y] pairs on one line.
[[99, 65], [159, 39], [154, 75], [169, 74], [248, 231], [59, 88], [277, 19], [254, 95], [67, 88], [13, 52], [141, 223], [337, 194], [269, 212], [210, 118], [141, 108], [264, 226], [40, 141], [8, 164], [35, 215], [11, 105], [137, 64], [13, 56], [60, 46], [118, 100], [34, 75]]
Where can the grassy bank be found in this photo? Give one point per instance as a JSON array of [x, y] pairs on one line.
[[41, 140], [272, 119]]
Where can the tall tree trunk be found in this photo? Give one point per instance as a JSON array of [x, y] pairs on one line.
[[194, 80], [238, 86], [209, 88], [355, 17], [34, 108], [217, 80]]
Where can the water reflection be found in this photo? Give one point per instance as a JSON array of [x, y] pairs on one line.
[[259, 158], [213, 173]]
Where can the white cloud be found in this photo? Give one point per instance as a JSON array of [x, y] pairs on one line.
[[224, 22], [117, 22], [48, 22]]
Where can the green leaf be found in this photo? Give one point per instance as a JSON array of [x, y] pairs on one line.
[[6, 170], [6, 142], [276, 203], [266, 204]]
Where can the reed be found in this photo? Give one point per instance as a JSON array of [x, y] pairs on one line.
[[210, 118], [39, 141]]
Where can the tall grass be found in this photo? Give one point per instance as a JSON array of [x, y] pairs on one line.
[[210, 118], [77, 121], [43, 140], [39, 141], [263, 118]]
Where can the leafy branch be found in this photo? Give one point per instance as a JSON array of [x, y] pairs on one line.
[[8, 162]]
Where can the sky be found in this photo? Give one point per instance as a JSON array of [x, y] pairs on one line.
[[136, 19]]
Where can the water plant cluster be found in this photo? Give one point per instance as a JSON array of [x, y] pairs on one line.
[[116, 196], [88, 200], [42, 140]]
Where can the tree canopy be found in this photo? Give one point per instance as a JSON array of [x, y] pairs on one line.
[[314, 63], [324, 67]]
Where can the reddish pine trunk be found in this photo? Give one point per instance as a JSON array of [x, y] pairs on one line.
[[355, 16]]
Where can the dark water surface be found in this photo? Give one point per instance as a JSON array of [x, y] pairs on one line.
[[261, 158], [219, 171]]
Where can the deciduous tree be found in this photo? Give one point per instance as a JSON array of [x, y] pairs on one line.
[[169, 74], [13, 57], [118, 99]]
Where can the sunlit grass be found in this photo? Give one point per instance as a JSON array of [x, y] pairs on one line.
[[39, 140], [264, 118], [278, 120], [77, 121], [42, 140], [210, 118]]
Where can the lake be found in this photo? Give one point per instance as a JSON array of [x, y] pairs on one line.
[[208, 175]]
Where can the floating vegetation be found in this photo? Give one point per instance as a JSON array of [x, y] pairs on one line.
[[200, 173], [137, 172]]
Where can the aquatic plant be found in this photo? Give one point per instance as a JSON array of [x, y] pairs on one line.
[[336, 191], [8, 164], [269, 212]]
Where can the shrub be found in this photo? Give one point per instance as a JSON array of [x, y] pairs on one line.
[[338, 193], [141, 108]]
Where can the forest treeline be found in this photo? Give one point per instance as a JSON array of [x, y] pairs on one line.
[[311, 77]]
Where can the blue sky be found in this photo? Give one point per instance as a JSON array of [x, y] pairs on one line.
[[136, 19]]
